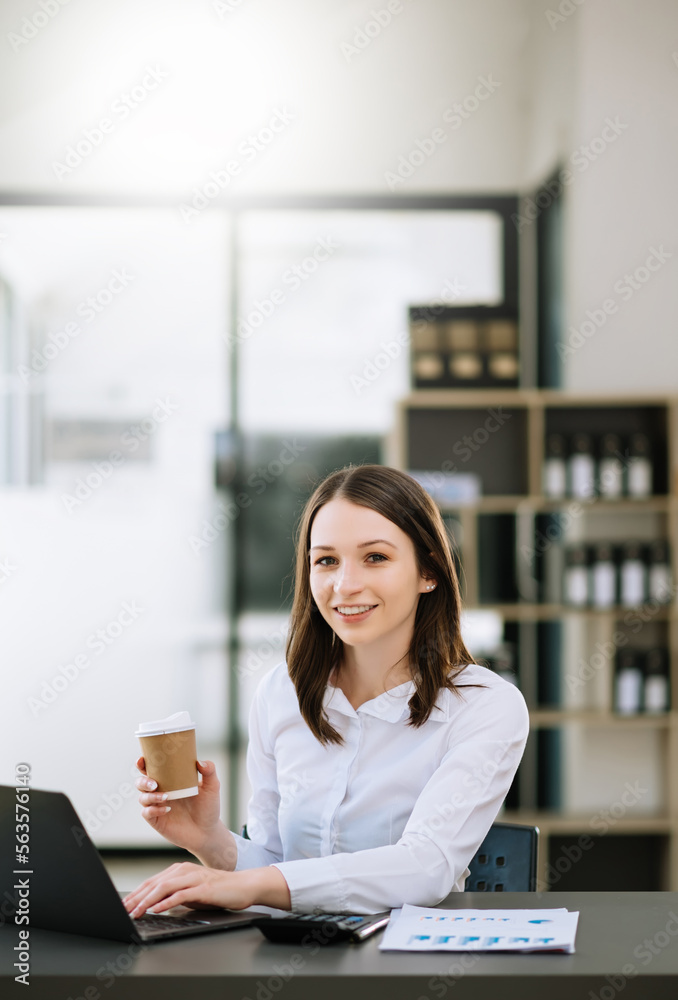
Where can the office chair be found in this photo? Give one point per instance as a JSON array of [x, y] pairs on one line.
[[506, 861]]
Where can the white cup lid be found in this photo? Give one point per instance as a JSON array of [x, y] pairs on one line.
[[172, 724]]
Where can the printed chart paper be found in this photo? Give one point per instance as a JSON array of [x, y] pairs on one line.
[[420, 928]]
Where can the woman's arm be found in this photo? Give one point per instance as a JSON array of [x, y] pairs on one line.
[[193, 822], [188, 884], [235, 871], [219, 850]]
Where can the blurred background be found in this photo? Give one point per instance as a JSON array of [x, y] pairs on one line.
[[245, 243]]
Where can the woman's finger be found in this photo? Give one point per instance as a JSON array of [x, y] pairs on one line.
[[164, 891], [152, 798], [155, 899], [208, 775], [145, 784], [200, 891], [155, 812], [144, 887]]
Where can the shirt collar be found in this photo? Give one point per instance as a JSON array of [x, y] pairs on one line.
[[391, 706]]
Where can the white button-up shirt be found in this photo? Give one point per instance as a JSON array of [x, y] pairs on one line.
[[395, 814]]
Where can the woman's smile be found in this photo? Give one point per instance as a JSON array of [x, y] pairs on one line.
[[354, 613]]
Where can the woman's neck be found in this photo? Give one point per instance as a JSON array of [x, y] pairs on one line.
[[364, 674]]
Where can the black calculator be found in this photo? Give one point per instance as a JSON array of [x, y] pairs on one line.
[[321, 928]]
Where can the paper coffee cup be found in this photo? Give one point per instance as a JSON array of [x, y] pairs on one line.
[[168, 747]]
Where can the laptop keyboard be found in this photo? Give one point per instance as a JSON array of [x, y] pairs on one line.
[[156, 922]]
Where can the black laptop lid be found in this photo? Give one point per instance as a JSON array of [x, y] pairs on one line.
[[68, 885]]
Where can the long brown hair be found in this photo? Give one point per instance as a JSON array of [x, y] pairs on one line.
[[437, 652]]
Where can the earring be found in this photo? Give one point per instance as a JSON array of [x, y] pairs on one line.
[[430, 586]]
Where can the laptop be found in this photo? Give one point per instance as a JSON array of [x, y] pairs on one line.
[[68, 886]]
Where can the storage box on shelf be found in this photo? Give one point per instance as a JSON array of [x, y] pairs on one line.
[[464, 346], [565, 523]]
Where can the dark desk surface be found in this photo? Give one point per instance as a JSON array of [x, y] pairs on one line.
[[627, 946]]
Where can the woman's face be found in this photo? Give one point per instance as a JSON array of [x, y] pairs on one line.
[[364, 575]]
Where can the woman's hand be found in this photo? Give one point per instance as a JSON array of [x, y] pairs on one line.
[[192, 885], [193, 822]]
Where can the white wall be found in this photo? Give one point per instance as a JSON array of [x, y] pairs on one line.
[[355, 114], [551, 89], [625, 203]]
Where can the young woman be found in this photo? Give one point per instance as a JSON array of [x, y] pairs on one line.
[[379, 753]]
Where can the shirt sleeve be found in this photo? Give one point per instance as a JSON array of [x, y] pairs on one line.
[[447, 825], [264, 845]]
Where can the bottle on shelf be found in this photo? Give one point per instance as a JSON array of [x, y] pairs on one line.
[[639, 475], [610, 468], [576, 582], [555, 468], [553, 558], [632, 574], [656, 687], [603, 589], [660, 583], [628, 682], [581, 467]]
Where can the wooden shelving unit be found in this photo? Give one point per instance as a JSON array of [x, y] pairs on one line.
[[429, 436]]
